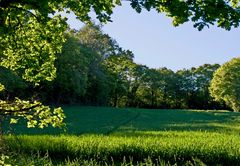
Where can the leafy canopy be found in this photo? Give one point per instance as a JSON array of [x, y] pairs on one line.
[[226, 13], [225, 85]]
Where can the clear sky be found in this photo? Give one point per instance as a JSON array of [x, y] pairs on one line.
[[156, 43]]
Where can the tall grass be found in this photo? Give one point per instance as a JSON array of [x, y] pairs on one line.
[[172, 147], [109, 136], [36, 159]]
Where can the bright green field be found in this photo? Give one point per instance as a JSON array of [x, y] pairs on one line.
[[108, 136]]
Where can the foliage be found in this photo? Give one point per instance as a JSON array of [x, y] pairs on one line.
[[124, 75], [36, 113], [225, 13], [167, 87], [3, 160], [225, 84], [93, 37], [94, 70], [101, 46], [72, 70], [13, 84], [193, 87], [160, 88], [203, 13], [42, 9], [28, 48]]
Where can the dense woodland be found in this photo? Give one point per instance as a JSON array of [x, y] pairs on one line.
[[94, 70]]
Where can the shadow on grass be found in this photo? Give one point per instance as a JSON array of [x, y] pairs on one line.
[[102, 120]]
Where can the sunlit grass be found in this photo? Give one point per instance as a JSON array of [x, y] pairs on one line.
[[173, 147], [110, 136]]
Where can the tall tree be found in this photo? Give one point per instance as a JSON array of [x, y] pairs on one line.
[[167, 86], [91, 35], [204, 75], [120, 69], [149, 90], [194, 84], [72, 71], [225, 85], [102, 46]]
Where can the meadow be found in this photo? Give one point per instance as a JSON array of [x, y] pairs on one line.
[[111, 136]]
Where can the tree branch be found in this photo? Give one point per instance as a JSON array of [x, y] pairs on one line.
[[27, 11], [21, 110]]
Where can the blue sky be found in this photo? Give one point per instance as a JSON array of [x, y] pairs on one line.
[[156, 43]]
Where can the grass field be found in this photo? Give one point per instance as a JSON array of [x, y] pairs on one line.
[[102, 120], [109, 136]]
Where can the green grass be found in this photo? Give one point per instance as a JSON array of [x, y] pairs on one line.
[[101, 120], [108, 136], [172, 147]]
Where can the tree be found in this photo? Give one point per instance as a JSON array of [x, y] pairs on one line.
[[119, 67], [193, 86], [149, 90], [203, 13], [226, 13], [102, 46], [31, 35], [167, 86], [92, 36], [225, 85], [28, 49], [204, 75], [14, 85], [72, 66], [158, 89], [135, 79], [187, 87]]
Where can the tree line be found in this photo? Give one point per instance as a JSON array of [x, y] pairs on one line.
[[93, 69]]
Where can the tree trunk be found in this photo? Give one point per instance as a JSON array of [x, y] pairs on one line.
[[115, 101], [152, 98], [1, 127], [1, 135]]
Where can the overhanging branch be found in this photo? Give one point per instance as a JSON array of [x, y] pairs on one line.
[[19, 110]]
